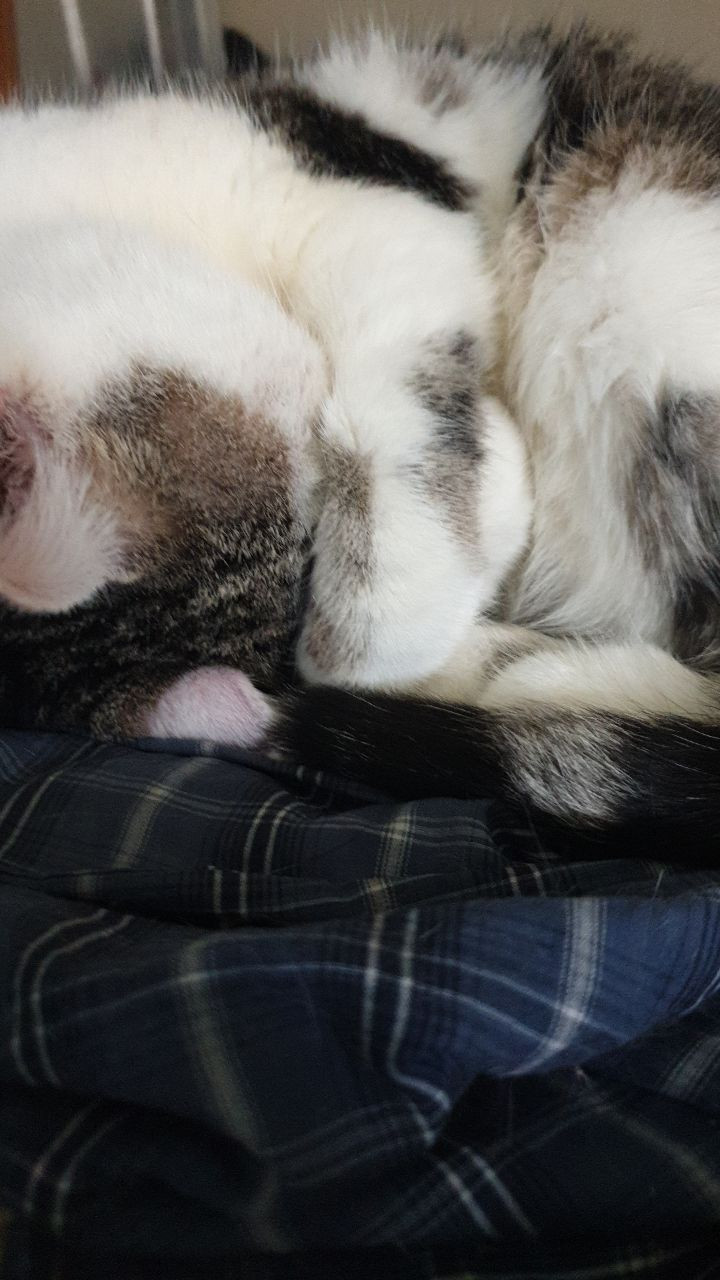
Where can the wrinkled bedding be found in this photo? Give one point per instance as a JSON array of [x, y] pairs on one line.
[[263, 1020]]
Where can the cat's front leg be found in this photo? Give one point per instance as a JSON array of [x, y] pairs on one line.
[[409, 552], [425, 500]]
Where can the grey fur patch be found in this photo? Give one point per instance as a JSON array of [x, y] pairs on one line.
[[443, 83], [673, 507], [344, 556], [570, 766], [329, 646], [349, 491], [448, 386], [512, 648]]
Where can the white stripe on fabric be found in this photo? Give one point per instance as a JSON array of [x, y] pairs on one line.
[[40, 1167], [65, 1182], [491, 1176], [402, 1014], [583, 950], [36, 990], [19, 826], [16, 1039], [371, 975], [467, 1199], [255, 825], [132, 839]]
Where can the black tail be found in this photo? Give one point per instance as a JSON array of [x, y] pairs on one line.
[[594, 783]]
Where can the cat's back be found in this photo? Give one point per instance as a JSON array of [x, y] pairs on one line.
[[442, 123], [170, 162]]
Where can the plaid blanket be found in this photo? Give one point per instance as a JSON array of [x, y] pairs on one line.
[[261, 1024]]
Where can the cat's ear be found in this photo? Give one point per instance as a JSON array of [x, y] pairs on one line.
[[242, 54], [58, 544]]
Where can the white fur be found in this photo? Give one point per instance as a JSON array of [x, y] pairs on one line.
[[505, 498], [636, 680], [424, 588], [82, 301], [482, 134], [507, 668], [625, 303]]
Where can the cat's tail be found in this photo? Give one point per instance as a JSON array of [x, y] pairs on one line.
[[639, 779]]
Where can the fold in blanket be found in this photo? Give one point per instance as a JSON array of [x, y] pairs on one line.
[[254, 1015]]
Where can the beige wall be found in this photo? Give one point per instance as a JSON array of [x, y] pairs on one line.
[[686, 28], [44, 56], [681, 28]]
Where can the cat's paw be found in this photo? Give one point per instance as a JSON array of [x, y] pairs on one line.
[[217, 703]]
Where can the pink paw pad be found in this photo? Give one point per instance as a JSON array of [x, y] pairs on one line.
[[217, 703]]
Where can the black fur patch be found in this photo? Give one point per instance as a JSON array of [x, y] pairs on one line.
[[409, 750], [671, 812], [242, 55], [340, 144], [405, 748]]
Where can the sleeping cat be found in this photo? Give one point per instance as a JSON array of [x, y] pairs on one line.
[[365, 252], [536, 216]]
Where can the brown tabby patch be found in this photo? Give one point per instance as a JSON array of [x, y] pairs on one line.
[[344, 556], [217, 557], [609, 113], [348, 508]]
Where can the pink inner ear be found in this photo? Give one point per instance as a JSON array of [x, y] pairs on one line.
[[58, 545], [218, 703]]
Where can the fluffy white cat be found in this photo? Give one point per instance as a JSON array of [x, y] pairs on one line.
[[399, 231]]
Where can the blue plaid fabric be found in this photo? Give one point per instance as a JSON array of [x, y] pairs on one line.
[[262, 1024]]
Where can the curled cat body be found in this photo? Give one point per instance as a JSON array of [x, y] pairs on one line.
[[422, 225], [246, 290], [158, 484]]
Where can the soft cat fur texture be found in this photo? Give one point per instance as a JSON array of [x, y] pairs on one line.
[[373, 247], [157, 475], [538, 215], [609, 293]]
